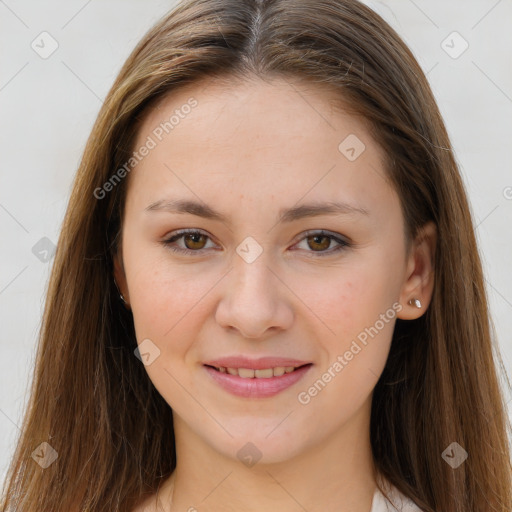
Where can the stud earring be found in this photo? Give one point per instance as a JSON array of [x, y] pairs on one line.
[[120, 294], [415, 302]]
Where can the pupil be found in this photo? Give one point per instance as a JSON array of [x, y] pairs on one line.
[[316, 239], [194, 237]]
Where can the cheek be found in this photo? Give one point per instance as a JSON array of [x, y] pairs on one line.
[[165, 303], [358, 305], [169, 308], [351, 298], [362, 318], [164, 297]]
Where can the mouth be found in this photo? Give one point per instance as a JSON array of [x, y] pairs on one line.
[[256, 382]]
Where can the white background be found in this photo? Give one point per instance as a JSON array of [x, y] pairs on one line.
[[48, 106]]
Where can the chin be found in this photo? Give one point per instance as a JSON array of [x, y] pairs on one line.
[[254, 447]]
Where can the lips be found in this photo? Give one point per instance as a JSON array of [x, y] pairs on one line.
[[256, 378]]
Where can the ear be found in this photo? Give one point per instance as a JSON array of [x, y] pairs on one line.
[[419, 276], [120, 277]]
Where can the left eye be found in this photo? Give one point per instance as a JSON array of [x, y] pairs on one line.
[[195, 242], [322, 240]]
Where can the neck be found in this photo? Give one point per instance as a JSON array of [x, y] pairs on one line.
[[336, 473]]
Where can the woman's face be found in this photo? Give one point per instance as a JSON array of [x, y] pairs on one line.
[[254, 167]]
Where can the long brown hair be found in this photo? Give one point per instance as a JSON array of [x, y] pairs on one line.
[[91, 399]]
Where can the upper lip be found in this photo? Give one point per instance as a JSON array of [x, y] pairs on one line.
[[255, 364]]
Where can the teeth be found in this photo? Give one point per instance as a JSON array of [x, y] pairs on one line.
[[263, 374], [249, 373], [279, 371], [246, 373]]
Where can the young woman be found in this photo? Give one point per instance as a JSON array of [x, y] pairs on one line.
[[267, 293]]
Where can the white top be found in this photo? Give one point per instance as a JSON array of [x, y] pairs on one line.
[[401, 503]]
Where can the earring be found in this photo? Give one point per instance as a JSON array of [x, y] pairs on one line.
[[120, 294], [415, 302]]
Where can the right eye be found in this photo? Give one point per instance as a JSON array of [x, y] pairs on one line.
[[191, 237]]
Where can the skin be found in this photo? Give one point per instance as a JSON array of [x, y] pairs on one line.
[[248, 150]]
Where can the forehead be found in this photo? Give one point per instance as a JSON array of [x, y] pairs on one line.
[[243, 106], [273, 138]]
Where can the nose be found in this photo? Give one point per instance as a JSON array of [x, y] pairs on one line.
[[255, 301]]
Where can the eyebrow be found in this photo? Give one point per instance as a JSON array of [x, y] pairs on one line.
[[285, 214]]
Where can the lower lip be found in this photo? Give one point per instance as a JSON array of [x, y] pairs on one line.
[[257, 387]]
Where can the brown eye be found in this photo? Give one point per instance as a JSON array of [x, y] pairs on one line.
[[194, 240], [320, 242], [194, 243]]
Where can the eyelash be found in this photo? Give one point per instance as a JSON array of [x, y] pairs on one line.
[[168, 243]]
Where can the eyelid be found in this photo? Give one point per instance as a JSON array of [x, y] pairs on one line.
[[325, 232]]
